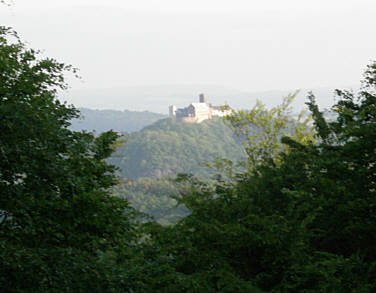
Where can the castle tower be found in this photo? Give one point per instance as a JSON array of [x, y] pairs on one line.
[[172, 111], [202, 98]]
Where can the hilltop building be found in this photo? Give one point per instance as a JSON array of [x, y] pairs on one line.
[[198, 112]]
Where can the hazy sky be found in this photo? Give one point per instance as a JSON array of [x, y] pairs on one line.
[[243, 44]]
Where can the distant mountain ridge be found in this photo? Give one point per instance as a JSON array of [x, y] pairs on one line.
[[158, 98], [119, 121]]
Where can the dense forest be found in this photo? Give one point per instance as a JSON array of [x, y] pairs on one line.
[[152, 197], [298, 216], [150, 159], [168, 147]]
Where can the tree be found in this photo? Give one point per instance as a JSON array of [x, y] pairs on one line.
[[261, 129], [60, 229], [305, 224]]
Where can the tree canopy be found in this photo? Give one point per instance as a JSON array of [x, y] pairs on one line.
[[168, 147], [57, 217], [304, 224], [300, 218]]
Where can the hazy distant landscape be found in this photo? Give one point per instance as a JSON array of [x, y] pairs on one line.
[[160, 146], [119, 121], [158, 98]]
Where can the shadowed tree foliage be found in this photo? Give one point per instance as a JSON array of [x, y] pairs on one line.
[[304, 224], [301, 218], [60, 229], [152, 197]]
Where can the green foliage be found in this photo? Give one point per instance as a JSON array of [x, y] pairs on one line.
[[301, 218], [59, 225], [261, 129], [306, 224], [152, 197], [168, 147], [164, 149]]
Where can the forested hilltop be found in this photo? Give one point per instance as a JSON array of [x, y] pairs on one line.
[[152, 157], [168, 147], [119, 121], [300, 216]]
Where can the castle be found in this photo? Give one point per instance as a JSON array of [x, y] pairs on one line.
[[198, 112]]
